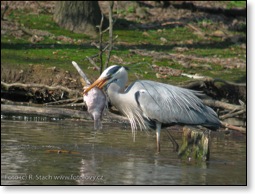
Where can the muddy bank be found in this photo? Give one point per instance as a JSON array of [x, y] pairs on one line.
[[38, 74]]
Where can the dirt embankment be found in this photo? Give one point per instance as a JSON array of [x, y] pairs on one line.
[[56, 78], [40, 75]]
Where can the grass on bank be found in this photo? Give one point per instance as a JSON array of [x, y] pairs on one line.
[[20, 52]]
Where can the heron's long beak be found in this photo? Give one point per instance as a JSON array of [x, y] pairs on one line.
[[100, 82]]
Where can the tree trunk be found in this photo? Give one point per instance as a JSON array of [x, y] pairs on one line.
[[195, 144], [78, 16]]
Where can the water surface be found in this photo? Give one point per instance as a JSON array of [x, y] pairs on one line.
[[41, 151]]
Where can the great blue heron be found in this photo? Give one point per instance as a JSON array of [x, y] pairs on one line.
[[150, 104]]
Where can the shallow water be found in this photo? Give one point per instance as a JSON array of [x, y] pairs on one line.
[[42, 151]]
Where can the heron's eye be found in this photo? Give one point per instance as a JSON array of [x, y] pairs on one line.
[[113, 70]]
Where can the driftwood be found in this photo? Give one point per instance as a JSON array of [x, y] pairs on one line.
[[224, 105], [58, 112], [228, 126], [71, 105], [213, 80], [229, 83], [52, 111], [7, 86], [10, 102], [43, 111], [232, 114]]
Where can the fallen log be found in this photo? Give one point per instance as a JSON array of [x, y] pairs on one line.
[[64, 112], [43, 111], [58, 112]]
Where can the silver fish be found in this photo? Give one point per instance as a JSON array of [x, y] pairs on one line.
[[96, 101]]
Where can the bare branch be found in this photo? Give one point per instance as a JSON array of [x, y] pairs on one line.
[[82, 74], [232, 114], [111, 3], [240, 129], [105, 30], [105, 48], [228, 82], [93, 63], [224, 105], [101, 44]]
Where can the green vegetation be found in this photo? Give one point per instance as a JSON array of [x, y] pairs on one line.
[[236, 4], [54, 51]]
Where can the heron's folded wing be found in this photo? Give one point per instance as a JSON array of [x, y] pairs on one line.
[[170, 104]]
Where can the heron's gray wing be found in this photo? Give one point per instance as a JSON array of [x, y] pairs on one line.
[[170, 104]]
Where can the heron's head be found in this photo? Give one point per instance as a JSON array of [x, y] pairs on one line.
[[108, 76]]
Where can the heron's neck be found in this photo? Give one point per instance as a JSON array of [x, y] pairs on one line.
[[115, 91]]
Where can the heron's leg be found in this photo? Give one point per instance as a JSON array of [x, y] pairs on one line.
[[158, 129]]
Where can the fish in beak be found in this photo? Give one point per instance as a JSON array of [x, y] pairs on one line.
[[100, 83]]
